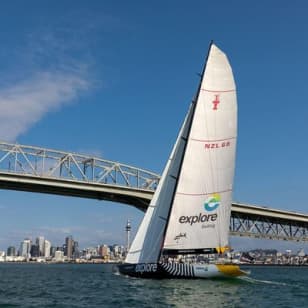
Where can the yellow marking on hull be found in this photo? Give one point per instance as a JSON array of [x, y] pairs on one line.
[[230, 270], [222, 249]]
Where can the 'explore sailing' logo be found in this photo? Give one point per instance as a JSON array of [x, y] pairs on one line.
[[212, 203]]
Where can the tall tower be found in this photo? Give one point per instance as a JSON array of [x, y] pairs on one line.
[[47, 246], [69, 243], [25, 247], [128, 229], [40, 243]]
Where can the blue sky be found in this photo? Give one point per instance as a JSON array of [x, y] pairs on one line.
[[115, 78]]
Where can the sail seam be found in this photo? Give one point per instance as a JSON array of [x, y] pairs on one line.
[[204, 194], [220, 91], [214, 140], [135, 251]]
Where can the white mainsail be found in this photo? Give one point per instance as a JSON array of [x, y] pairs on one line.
[[201, 208], [191, 206]]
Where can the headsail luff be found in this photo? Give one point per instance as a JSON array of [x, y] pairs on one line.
[[146, 247]]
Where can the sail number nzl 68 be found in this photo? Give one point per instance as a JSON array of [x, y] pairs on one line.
[[197, 218]]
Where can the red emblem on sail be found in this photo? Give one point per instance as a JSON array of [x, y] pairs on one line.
[[216, 102]]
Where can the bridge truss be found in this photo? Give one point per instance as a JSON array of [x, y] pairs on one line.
[[35, 169], [260, 222], [43, 170]]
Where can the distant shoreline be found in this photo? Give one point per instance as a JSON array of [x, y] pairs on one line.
[[58, 263], [115, 263]]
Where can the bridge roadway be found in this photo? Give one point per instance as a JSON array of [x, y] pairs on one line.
[[34, 169]]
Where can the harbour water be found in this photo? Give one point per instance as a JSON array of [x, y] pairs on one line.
[[71, 285]]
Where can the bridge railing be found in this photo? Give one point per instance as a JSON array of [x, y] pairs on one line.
[[41, 162]]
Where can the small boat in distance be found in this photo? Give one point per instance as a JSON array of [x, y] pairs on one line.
[[189, 214]]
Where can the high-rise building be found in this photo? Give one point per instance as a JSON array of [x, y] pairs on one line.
[[76, 253], [35, 251], [47, 246], [25, 247], [69, 243], [40, 243], [53, 250], [104, 251], [11, 251]]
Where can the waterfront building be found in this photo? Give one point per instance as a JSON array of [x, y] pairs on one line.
[[59, 256], [47, 246], [116, 251], [53, 250], [104, 251], [11, 251], [76, 253], [40, 243], [69, 244], [25, 247], [90, 252], [35, 251], [2, 256]]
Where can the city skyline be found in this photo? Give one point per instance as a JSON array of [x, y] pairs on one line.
[[115, 81], [43, 248], [40, 241]]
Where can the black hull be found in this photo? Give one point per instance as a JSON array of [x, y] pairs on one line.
[[158, 270], [180, 270]]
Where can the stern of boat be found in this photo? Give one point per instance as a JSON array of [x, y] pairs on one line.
[[231, 270]]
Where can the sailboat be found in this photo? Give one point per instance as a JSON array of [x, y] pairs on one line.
[[189, 215]]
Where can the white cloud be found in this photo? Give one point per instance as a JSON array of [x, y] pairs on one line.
[[26, 102]]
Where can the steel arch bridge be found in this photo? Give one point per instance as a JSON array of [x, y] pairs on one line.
[[36, 169]]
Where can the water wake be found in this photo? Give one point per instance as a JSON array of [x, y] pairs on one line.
[[252, 280]]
